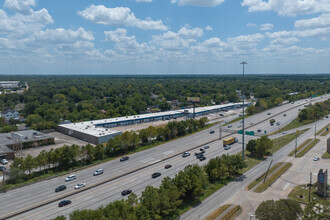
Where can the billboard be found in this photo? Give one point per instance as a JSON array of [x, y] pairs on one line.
[[193, 99]]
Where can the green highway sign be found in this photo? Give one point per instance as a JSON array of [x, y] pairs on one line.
[[240, 132], [265, 132], [249, 133]]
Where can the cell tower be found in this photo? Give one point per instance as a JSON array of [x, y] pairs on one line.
[[17, 144]]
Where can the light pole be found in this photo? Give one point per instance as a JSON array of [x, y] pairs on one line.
[[243, 63]]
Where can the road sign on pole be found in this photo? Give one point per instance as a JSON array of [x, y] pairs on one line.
[[249, 133], [240, 132], [265, 132]]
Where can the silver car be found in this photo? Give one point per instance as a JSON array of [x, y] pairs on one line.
[[98, 172], [71, 177]]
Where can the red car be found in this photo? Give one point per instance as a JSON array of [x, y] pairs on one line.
[[168, 166]]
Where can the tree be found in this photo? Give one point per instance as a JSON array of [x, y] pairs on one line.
[[284, 209], [251, 146], [33, 119], [29, 163], [263, 145], [315, 210]]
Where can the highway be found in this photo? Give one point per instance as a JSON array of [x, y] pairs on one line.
[[145, 162]]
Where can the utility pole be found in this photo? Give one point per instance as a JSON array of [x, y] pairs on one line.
[[243, 63], [315, 132], [295, 148], [310, 186], [268, 170], [220, 132]]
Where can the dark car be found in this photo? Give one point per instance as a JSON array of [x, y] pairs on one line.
[[168, 166], [2, 168], [124, 158], [211, 132], [202, 150], [327, 116], [60, 188], [259, 130], [221, 115], [202, 158], [64, 203], [155, 175], [198, 153], [198, 156], [126, 192], [206, 147]]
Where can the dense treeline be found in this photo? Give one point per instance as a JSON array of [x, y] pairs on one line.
[[51, 99], [314, 112], [67, 157], [164, 202]]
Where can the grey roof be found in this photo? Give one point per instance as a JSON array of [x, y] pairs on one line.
[[24, 136], [4, 149], [8, 110]]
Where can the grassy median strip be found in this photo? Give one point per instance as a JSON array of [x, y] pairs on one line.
[[299, 148], [325, 133], [260, 178], [284, 140], [307, 148], [273, 177], [232, 213], [326, 155], [217, 212], [293, 124], [323, 129]]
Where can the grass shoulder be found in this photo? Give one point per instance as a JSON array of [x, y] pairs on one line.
[[326, 155], [301, 194], [307, 148], [293, 124], [300, 147], [217, 212]]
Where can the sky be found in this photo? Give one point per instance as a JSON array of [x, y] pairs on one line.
[[164, 36]]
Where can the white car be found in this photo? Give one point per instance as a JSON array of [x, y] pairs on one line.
[[227, 147], [4, 161], [284, 132], [186, 154], [98, 172], [316, 158], [80, 185], [251, 123], [71, 177]]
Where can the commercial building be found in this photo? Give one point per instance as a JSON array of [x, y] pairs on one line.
[[9, 84], [98, 131]]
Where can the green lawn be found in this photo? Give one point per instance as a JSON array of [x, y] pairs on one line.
[[300, 147], [284, 140], [323, 129], [307, 148], [326, 155], [272, 178], [301, 194], [294, 124]]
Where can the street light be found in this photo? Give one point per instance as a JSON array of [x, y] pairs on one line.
[[243, 63]]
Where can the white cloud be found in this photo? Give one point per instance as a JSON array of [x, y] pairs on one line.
[[208, 28], [285, 41], [203, 3], [21, 6], [120, 16], [213, 42], [265, 27], [61, 35], [321, 21], [288, 7], [251, 25], [143, 0]]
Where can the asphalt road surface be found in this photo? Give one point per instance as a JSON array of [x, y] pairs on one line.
[[146, 162]]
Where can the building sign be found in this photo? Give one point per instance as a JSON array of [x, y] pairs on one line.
[[193, 99], [322, 183]]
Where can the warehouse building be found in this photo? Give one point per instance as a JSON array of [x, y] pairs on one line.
[[98, 131]]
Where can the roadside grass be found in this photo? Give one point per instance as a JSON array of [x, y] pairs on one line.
[[260, 178], [323, 129], [232, 213], [326, 155], [53, 173], [300, 147], [301, 194], [273, 177], [280, 142], [325, 133], [237, 119], [293, 124], [217, 212], [307, 148]]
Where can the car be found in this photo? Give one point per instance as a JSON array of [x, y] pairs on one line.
[[206, 147], [186, 154], [168, 166], [284, 115], [4, 161], [126, 192], [60, 188], [202, 158], [239, 126], [278, 123], [71, 177], [2, 168], [269, 113], [327, 116], [251, 123], [240, 115], [298, 109], [199, 156], [124, 158], [80, 185], [284, 132], [316, 158], [98, 172], [226, 121], [211, 132], [201, 150], [64, 203], [229, 126], [259, 130], [221, 115], [227, 147], [156, 174]]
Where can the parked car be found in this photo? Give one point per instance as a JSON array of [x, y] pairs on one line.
[[206, 147], [327, 116], [64, 203], [156, 174], [227, 147], [211, 132], [168, 166], [71, 177], [126, 192], [4, 161], [186, 154], [2, 168], [124, 158], [202, 158], [316, 158], [80, 185], [60, 188], [98, 172]]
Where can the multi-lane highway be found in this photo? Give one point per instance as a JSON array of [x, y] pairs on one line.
[[140, 166]]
